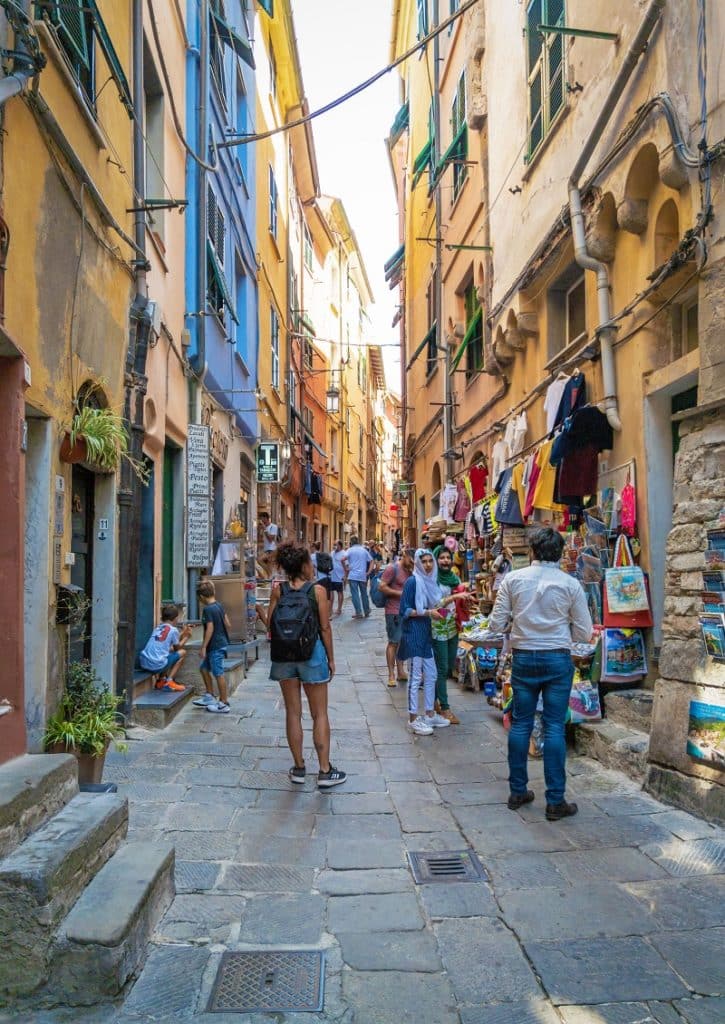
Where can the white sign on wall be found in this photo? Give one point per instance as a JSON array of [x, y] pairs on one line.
[[198, 501]]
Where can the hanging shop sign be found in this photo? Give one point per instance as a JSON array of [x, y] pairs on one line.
[[198, 488], [268, 462]]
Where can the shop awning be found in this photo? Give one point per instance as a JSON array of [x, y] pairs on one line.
[[401, 122], [467, 338], [394, 267], [234, 40], [218, 275], [430, 336]]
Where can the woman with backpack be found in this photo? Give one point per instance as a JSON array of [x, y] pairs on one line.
[[303, 656]]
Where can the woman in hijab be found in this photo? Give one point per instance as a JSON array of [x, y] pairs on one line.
[[445, 632], [420, 604]]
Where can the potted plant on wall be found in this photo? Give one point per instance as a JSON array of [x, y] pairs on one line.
[[98, 436], [86, 723]]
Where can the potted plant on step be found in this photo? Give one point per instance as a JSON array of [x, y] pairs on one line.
[[86, 723], [99, 437]]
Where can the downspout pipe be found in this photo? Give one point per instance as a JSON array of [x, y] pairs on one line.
[[605, 330], [13, 83], [198, 361]]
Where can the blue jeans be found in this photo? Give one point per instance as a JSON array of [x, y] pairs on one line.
[[550, 673], [359, 595]]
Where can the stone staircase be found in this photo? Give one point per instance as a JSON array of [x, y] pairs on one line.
[[78, 904], [621, 740]]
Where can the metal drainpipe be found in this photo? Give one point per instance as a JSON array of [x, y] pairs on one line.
[[129, 490], [447, 390], [583, 257], [14, 82]]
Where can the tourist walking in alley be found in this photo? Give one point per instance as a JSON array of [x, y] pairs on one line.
[[545, 611], [419, 605], [445, 632], [303, 657], [391, 584], [358, 562], [338, 577]]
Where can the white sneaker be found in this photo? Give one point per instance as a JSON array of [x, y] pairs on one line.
[[437, 721], [201, 702], [420, 726], [218, 707]]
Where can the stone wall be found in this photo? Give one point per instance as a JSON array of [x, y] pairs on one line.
[[685, 671]]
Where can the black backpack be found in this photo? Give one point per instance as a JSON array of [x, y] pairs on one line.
[[324, 562], [295, 625]]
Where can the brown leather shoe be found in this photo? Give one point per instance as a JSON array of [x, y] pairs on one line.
[[555, 812], [453, 719], [517, 800]]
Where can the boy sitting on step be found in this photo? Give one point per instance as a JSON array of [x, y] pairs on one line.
[[164, 653]]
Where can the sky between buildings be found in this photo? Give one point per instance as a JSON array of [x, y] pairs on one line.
[[341, 43]]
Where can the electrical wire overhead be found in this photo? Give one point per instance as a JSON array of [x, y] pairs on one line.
[[420, 45]]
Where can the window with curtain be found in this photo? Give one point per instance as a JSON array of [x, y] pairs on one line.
[[545, 68]]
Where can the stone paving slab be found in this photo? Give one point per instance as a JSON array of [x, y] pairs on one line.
[[469, 947], [458, 899], [374, 913], [689, 857], [638, 803], [603, 970], [188, 817], [405, 769], [265, 878], [628, 830], [264, 849], [461, 794], [351, 854], [340, 826], [229, 796], [391, 951], [273, 919], [361, 803], [622, 1013], [566, 913], [686, 826], [686, 903], [195, 875], [169, 983], [406, 792], [534, 1011], [296, 798], [405, 998], [697, 956], [425, 816], [213, 846], [617, 865], [702, 1011], [353, 883], [524, 871], [191, 917]]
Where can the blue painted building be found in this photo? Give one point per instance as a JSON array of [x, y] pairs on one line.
[[221, 271]]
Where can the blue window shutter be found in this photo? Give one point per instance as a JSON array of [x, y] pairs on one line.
[[234, 40], [268, 6]]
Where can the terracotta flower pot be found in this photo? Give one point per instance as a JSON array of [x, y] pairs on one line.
[[75, 453]]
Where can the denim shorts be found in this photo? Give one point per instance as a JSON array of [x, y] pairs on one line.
[[316, 670], [394, 628], [173, 658], [214, 661]]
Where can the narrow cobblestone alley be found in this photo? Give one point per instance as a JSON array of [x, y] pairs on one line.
[[620, 905]]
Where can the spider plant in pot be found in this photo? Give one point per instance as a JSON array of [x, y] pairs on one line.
[[99, 437], [86, 722]]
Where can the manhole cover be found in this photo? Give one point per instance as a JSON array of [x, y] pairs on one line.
[[446, 866], [259, 981]]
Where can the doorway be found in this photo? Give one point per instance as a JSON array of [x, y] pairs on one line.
[[145, 598], [81, 573]]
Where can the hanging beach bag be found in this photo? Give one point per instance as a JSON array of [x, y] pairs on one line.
[[625, 599]]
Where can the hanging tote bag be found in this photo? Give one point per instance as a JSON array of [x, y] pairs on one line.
[[625, 598]]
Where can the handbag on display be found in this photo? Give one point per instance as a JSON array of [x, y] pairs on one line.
[[625, 597], [584, 703]]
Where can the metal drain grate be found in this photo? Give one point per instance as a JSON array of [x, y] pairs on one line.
[[259, 981], [447, 866]]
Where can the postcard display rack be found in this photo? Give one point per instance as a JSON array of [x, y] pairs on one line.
[[712, 618]]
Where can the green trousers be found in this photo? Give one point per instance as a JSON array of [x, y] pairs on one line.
[[444, 652]]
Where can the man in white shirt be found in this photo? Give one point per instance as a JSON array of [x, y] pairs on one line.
[[545, 611], [357, 565], [270, 536]]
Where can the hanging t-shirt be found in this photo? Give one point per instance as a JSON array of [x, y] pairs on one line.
[[531, 482], [578, 475], [508, 510], [553, 400], [478, 475], [544, 491], [518, 439], [499, 458], [447, 505], [574, 396], [517, 483]]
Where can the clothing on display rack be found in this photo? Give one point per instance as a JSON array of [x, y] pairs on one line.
[[499, 458], [553, 400], [308, 479], [463, 503], [575, 452], [515, 435], [315, 495], [574, 397], [447, 502], [478, 475], [508, 510]]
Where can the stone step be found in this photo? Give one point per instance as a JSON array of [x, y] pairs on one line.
[[615, 746], [234, 668], [156, 708], [103, 940], [630, 708], [32, 789], [143, 681], [41, 880]]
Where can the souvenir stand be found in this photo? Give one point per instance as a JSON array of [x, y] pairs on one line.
[[233, 576], [553, 481]]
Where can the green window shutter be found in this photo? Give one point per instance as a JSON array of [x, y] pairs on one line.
[[458, 150], [430, 336], [422, 161], [68, 16], [109, 52], [471, 332], [219, 281], [555, 59], [422, 18], [534, 18], [234, 40], [268, 6]]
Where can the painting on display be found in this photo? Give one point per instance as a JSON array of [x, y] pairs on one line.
[[706, 733]]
